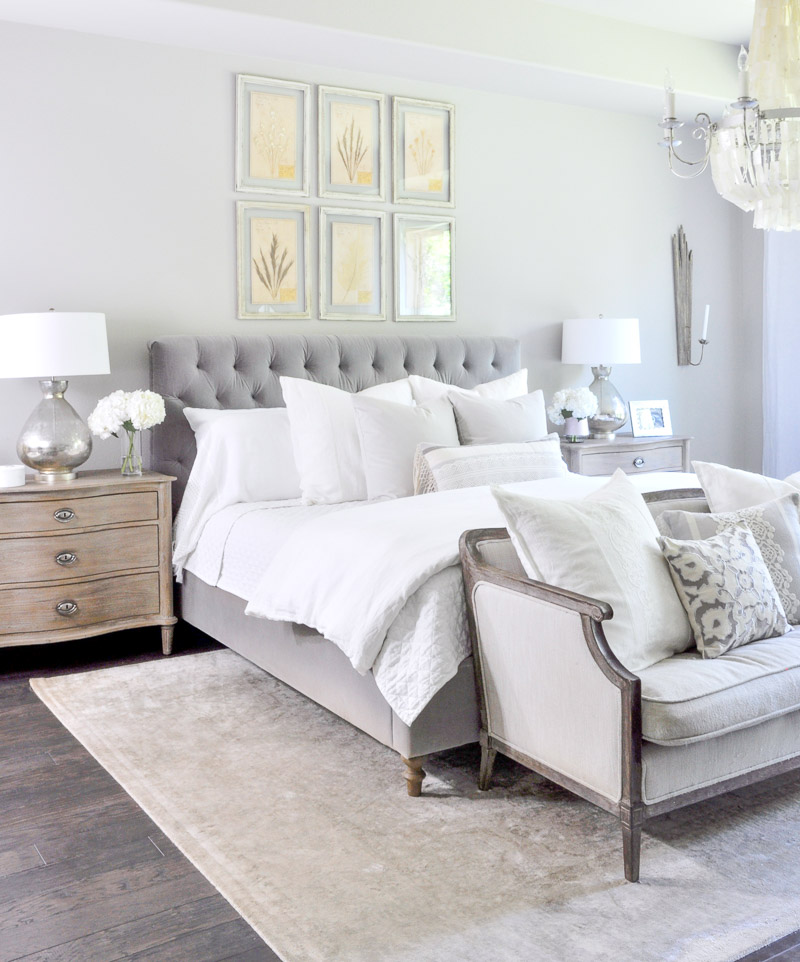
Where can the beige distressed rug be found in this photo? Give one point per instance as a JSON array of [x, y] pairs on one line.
[[304, 825]]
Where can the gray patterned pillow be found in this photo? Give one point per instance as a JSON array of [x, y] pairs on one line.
[[726, 590], [776, 528]]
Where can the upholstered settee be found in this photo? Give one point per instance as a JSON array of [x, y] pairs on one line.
[[554, 696]]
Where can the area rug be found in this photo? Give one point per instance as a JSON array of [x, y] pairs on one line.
[[303, 824]]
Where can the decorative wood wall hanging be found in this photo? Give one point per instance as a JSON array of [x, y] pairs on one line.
[[682, 281]]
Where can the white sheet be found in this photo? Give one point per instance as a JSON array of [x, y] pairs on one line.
[[352, 574]]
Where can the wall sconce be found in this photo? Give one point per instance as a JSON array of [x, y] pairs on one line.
[[682, 282]]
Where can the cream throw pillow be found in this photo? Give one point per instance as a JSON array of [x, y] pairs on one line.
[[606, 547], [728, 489], [427, 389], [488, 421], [726, 590]]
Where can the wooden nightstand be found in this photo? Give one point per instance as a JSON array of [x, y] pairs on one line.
[[86, 557], [633, 455]]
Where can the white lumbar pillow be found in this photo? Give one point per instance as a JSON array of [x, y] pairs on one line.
[[324, 437], [426, 389], [605, 546], [729, 489], [389, 435], [489, 421]]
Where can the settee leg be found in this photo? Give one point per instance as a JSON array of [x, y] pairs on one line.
[[415, 775], [488, 756], [631, 841]]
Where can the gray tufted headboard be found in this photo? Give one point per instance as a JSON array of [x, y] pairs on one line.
[[243, 372]]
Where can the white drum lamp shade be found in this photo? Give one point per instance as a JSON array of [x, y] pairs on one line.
[[601, 342], [52, 346]]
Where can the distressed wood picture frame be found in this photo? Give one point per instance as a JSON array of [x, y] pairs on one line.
[[424, 272], [272, 135], [352, 264], [273, 272], [350, 148], [423, 146]]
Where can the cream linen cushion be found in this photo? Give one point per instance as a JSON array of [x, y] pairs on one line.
[[438, 468], [426, 389], [488, 421], [726, 590], [389, 435], [776, 529], [325, 440], [606, 547], [728, 489]]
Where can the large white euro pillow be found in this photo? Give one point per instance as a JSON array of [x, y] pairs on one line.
[[390, 434], [325, 440], [426, 389], [729, 489], [490, 421], [606, 547]]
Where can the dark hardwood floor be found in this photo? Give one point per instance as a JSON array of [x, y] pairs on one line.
[[85, 875]]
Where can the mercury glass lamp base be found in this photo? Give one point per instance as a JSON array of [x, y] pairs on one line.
[[612, 412], [54, 440], [603, 435], [54, 477]]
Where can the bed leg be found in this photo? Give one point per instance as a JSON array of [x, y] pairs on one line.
[[415, 774]]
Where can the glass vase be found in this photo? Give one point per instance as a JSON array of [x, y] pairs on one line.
[[131, 442]]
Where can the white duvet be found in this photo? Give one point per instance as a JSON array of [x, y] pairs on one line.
[[382, 581]]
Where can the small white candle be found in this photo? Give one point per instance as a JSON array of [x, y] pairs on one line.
[[744, 75], [705, 324], [669, 95], [12, 475]]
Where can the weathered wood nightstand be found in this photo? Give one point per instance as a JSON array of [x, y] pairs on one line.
[[633, 455], [86, 557]]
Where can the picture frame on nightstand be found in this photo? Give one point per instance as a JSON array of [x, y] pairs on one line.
[[650, 419]]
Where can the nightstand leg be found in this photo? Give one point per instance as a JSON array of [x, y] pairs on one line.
[[167, 631]]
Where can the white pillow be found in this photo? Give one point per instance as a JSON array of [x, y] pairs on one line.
[[325, 440], [605, 546], [426, 389], [390, 434], [488, 421], [729, 489], [241, 456], [439, 468]]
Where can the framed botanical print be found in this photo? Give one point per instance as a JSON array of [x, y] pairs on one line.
[[272, 135], [351, 143], [273, 262], [423, 137], [424, 279], [352, 254]]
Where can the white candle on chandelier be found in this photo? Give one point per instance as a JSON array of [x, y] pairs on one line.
[[744, 74], [705, 324], [669, 94]]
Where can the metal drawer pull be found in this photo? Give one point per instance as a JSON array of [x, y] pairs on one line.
[[64, 514], [66, 558], [638, 462], [66, 608]]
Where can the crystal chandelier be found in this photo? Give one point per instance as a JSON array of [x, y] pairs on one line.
[[754, 150]]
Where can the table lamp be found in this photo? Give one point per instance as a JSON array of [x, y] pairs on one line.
[[54, 440], [601, 342]]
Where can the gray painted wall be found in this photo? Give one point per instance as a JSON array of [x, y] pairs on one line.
[[116, 175]]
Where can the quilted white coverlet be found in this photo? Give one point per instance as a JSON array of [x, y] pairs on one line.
[[382, 582]]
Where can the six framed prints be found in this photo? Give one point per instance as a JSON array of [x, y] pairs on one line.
[[273, 239]]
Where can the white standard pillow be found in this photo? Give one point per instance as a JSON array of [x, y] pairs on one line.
[[729, 489], [439, 468], [488, 421], [426, 389], [390, 434], [324, 437], [242, 455], [605, 546]]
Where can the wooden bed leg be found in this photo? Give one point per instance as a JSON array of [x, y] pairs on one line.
[[167, 631], [631, 841], [488, 755], [415, 775]]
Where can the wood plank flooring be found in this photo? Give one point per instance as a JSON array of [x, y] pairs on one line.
[[85, 875]]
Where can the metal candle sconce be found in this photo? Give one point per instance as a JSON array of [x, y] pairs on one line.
[[682, 280]]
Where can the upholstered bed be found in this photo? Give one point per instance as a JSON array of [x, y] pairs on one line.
[[243, 372]]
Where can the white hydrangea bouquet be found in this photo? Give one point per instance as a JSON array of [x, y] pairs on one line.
[[131, 412], [571, 406]]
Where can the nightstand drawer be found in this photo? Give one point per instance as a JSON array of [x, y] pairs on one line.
[[78, 555], [662, 458], [75, 512], [76, 605]]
